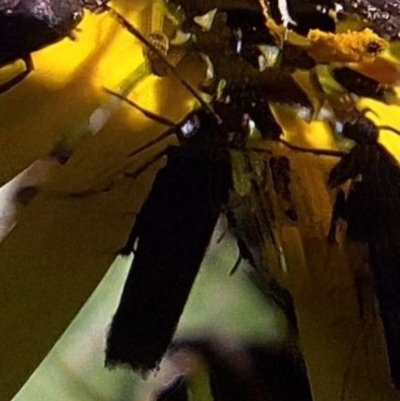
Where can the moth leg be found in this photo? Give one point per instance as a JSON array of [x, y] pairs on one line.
[[29, 67], [381, 127]]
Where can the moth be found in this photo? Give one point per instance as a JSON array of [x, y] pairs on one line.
[[172, 231], [371, 210], [171, 234]]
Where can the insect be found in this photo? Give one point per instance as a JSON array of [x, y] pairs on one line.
[[371, 210], [173, 230]]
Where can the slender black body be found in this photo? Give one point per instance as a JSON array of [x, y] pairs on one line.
[[173, 230], [372, 210]]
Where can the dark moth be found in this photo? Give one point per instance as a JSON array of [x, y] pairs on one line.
[[172, 230]]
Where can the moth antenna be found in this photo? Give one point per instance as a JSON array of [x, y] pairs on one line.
[[368, 110], [385, 127], [323, 152], [319, 152], [134, 31], [149, 114], [388, 128]]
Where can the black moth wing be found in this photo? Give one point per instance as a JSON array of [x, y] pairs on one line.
[[175, 227], [372, 212]]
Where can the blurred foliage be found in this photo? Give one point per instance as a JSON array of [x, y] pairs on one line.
[[74, 369]]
